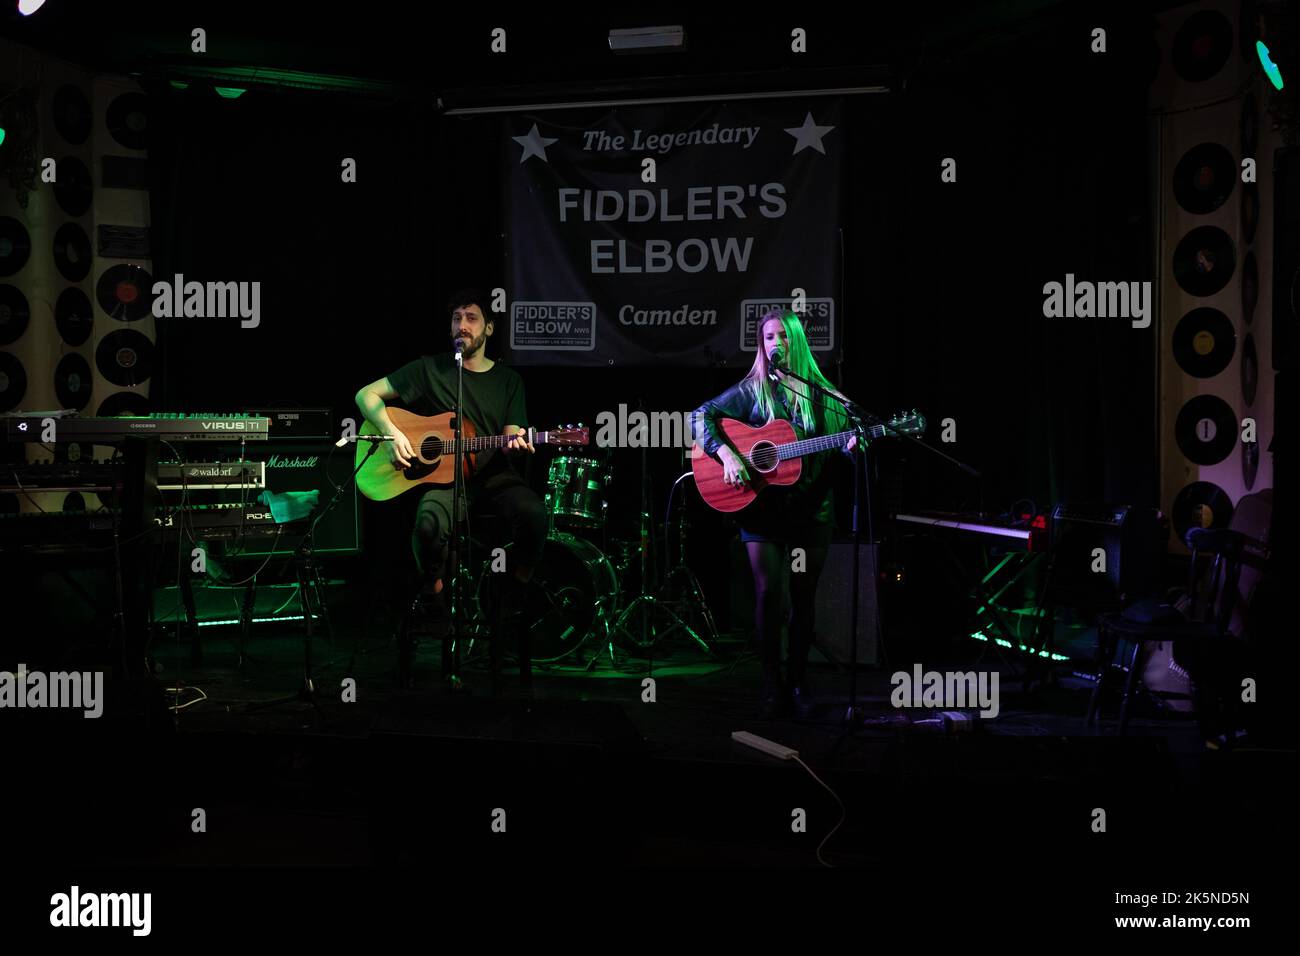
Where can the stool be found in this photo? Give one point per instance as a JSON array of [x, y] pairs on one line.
[[487, 530], [1112, 628]]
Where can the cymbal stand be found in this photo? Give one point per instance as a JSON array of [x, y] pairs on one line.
[[692, 594], [646, 605]]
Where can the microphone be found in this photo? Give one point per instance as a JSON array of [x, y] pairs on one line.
[[374, 438], [774, 362]]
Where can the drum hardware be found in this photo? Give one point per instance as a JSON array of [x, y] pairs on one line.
[[648, 605], [693, 596], [576, 590]]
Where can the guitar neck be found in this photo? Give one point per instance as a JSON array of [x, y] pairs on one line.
[[482, 442], [811, 446]]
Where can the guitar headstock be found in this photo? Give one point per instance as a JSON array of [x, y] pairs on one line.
[[578, 434], [908, 423]]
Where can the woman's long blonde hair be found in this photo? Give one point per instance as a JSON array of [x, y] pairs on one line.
[[800, 361]]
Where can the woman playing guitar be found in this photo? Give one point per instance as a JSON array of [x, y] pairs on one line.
[[781, 518]]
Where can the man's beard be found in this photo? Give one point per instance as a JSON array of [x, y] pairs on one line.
[[472, 345]]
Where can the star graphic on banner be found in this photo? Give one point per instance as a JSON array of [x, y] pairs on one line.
[[534, 144], [809, 134]]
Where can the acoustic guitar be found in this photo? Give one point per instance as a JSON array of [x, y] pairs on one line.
[[772, 455], [432, 437]]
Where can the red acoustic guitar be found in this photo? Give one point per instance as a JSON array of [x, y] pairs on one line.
[[773, 456], [432, 437]]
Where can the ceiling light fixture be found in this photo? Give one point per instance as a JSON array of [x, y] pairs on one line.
[[647, 40]]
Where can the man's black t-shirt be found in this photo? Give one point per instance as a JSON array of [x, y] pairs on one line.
[[492, 400]]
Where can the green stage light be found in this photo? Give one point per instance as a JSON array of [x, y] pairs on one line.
[[2, 135], [256, 620], [981, 636], [1270, 68], [230, 92]]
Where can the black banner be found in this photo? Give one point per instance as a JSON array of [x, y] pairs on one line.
[[660, 234]]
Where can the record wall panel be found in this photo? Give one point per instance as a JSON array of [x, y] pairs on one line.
[[1214, 257]]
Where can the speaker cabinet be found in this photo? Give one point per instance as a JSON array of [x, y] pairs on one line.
[[835, 603]]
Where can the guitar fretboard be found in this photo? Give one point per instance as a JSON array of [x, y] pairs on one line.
[[481, 442], [811, 446]]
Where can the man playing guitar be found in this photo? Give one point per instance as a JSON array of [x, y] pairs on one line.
[[493, 400], [781, 518]]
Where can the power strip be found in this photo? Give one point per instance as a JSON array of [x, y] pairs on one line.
[[769, 747]]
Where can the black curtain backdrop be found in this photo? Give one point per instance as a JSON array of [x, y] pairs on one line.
[[942, 302]]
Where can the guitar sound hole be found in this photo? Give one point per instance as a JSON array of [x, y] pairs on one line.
[[763, 455], [431, 447]]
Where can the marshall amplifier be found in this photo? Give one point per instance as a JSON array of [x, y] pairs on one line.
[[300, 455]]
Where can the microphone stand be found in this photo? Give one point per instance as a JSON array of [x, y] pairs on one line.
[[309, 584], [855, 414], [451, 654]]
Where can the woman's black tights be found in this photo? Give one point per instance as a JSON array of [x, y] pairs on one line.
[[770, 563]]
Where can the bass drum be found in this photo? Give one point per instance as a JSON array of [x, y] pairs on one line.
[[572, 601]]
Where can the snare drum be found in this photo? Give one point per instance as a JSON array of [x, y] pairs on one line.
[[575, 494]]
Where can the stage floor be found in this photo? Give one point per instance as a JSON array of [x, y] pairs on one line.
[[585, 771]]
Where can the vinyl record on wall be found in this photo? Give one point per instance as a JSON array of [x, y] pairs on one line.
[[1249, 288], [1249, 464], [72, 252], [1204, 342], [1202, 46], [1203, 178], [73, 381], [71, 114], [1204, 261], [125, 292], [1201, 504], [123, 403], [1206, 429], [1249, 124], [1249, 370], [73, 316], [14, 314], [13, 382], [125, 357], [1249, 210], [73, 501], [128, 120], [15, 245], [73, 188]]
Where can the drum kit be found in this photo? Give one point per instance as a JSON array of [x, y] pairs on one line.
[[583, 609]]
